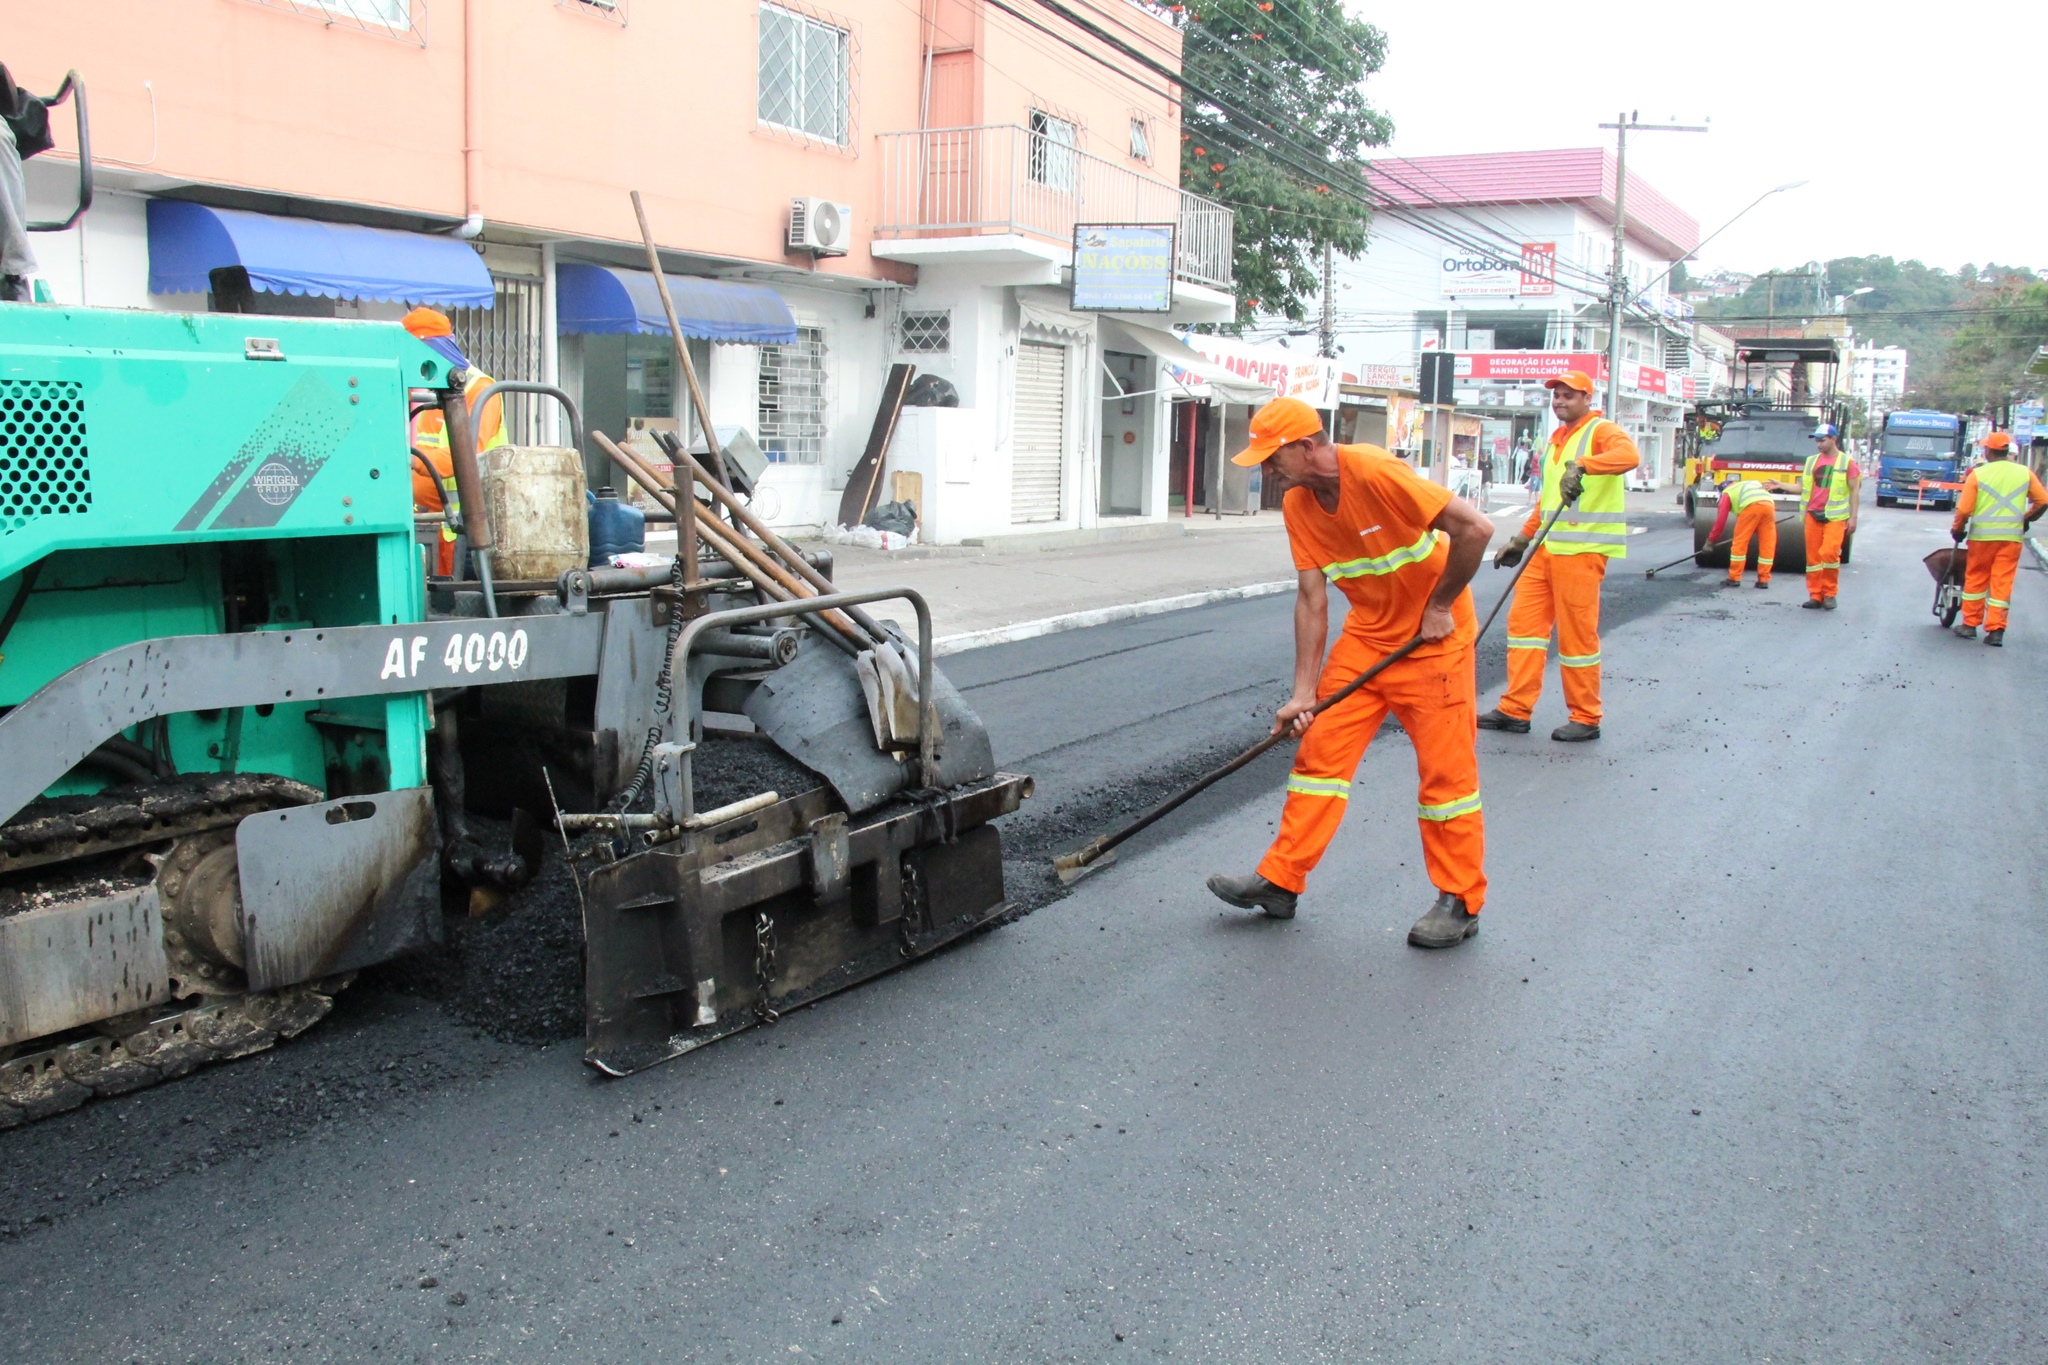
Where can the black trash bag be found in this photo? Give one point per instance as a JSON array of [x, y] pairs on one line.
[[900, 517], [931, 391]]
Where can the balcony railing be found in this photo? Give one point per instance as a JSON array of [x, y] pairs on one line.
[[970, 182]]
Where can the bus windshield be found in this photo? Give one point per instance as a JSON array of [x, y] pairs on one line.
[[1920, 445]]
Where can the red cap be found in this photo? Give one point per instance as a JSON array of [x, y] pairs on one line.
[[1998, 440], [1571, 379], [1274, 425]]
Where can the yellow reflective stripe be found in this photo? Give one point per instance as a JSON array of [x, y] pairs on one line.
[[1386, 563], [1974, 596], [1529, 642], [1763, 563], [1577, 660], [1319, 786], [1994, 602], [1819, 565], [1449, 810]]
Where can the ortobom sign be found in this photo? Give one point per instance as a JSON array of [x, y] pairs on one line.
[[1531, 275]]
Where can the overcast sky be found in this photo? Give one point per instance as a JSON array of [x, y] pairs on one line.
[[1851, 97]]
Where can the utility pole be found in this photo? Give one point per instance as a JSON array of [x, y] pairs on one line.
[[1327, 346], [1617, 303]]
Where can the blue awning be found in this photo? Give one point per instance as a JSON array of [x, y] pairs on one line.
[[601, 299], [301, 256]]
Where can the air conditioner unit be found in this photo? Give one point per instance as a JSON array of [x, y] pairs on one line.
[[820, 226]]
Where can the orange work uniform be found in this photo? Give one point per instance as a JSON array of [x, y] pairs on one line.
[[1379, 550], [1756, 519], [1991, 565], [1563, 590], [1828, 486]]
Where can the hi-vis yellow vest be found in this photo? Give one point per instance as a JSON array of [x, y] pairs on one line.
[[1745, 492], [2001, 501], [1838, 487], [1597, 524]]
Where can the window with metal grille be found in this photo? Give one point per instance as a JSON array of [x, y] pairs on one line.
[[927, 333], [1053, 143], [614, 10], [805, 75], [504, 342], [792, 398], [1141, 139], [392, 18]]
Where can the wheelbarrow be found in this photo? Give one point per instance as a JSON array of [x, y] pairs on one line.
[[1946, 565]]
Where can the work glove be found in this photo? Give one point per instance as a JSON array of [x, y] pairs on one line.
[[1511, 553], [1955, 535], [1572, 482]]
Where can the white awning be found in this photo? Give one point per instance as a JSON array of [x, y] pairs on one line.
[[1224, 384]]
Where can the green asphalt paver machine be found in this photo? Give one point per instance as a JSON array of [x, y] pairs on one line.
[[248, 747]]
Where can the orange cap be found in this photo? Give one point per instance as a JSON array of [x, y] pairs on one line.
[[1274, 425], [1571, 379], [426, 322], [1998, 440]]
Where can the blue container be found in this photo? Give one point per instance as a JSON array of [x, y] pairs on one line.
[[616, 528]]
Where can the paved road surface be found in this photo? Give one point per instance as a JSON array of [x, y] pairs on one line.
[[1746, 1065]]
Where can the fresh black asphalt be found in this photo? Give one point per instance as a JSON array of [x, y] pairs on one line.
[[1745, 1065]]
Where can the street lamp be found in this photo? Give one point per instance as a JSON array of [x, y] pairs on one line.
[[1695, 252]]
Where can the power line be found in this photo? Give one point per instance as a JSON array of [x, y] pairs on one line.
[[1301, 159]]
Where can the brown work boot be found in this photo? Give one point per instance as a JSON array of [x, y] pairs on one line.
[[1995, 637], [1827, 603], [1967, 631], [1575, 732], [1497, 719], [1763, 583], [1254, 893], [1445, 925], [1812, 604]]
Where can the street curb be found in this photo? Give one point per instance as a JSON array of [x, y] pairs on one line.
[[1101, 616]]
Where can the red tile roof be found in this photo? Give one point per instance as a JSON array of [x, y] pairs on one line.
[[1580, 175]]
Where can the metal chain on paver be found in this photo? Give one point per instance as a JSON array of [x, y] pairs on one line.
[[764, 967], [913, 916]]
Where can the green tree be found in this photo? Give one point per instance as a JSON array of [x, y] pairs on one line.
[[1910, 304], [1983, 367], [1297, 68]]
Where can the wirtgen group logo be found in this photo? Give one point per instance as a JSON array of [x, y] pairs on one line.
[[275, 484]]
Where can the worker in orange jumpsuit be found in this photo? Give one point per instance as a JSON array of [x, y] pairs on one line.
[[1999, 501], [1584, 465], [1401, 550], [1830, 491], [433, 465], [1756, 518]]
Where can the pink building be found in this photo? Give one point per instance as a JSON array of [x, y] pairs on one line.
[[351, 157]]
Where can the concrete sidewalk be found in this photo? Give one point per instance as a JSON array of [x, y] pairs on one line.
[[991, 594]]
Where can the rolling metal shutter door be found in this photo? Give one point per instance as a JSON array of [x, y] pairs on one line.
[[1039, 448]]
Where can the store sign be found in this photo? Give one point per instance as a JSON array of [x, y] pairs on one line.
[[1123, 268], [2026, 422], [1688, 388], [1386, 376], [1289, 374], [1643, 378], [1528, 367], [1472, 274]]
